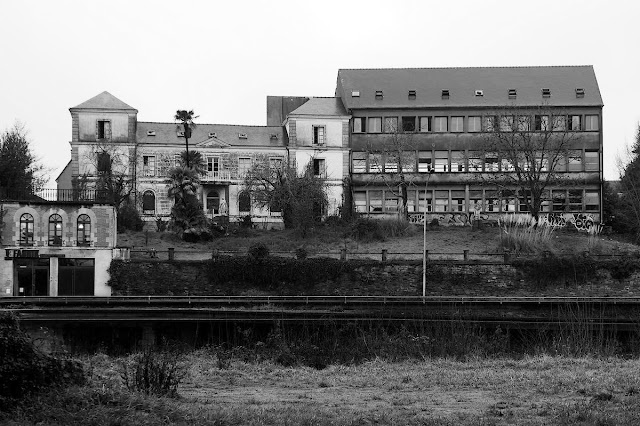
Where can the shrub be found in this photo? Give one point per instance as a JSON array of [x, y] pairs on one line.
[[366, 230], [245, 222], [301, 253], [258, 251], [519, 233], [129, 218], [153, 373], [161, 225], [24, 369]]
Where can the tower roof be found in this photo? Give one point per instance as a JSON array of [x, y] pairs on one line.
[[104, 100]]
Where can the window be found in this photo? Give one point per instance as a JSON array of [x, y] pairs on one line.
[[26, 230], [490, 123], [493, 202], [479, 93], [408, 124], [104, 162], [391, 163], [360, 201], [408, 161], [390, 124], [575, 162], [524, 123], [524, 201], [574, 122], [148, 165], [475, 161], [422, 200], [473, 124], [359, 124], [375, 163], [411, 201], [546, 93], [513, 93], [475, 200], [442, 201], [84, 230], [542, 164], [491, 162], [458, 203], [244, 165], [379, 95], [318, 135], [457, 124], [575, 200], [148, 202], [591, 161], [579, 92], [359, 162], [275, 163], [319, 168], [559, 123], [244, 202], [591, 201], [213, 165], [541, 123], [375, 124], [375, 201], [412, 94], [506, 123], [425, 124], [76, 277], [103, 129], [506, 165], [457, 161], [442, 161], [424, 161], [440, 124], [391, 202], [558, 199], [591, 123], [445, 94], [55, 230]]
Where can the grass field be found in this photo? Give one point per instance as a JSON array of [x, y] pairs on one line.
[[538, 390]]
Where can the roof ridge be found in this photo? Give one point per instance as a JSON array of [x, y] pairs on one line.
[[211, 124], [465, 68]]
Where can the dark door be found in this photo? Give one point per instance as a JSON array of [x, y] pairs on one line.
[[76, 277], [31, 277]]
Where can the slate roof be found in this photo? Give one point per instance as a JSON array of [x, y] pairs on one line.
[[321, 106], [104, 100], [166, 134], [462, 83]]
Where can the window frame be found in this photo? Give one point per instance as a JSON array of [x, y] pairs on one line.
[[55, 237], [319, 135], [437, 124], [85, 231], [459, 124], [27, 234], [148, 170]]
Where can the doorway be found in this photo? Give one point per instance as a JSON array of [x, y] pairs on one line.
[[31, 277]]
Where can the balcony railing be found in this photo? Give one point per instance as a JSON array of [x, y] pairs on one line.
[[57, 195], [220, 175]]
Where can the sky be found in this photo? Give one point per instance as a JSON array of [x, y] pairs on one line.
[[222, 59]]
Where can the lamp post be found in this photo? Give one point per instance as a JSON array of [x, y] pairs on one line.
[[424, 237]]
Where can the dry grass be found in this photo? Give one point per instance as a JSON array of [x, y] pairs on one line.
[[531, 391]]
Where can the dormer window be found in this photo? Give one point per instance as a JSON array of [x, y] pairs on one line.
[[180, 133], [546, 93], [212, 134], [242, 136], [445, 94], [579, 93], [151, 132], [479, 93], [412, 94], [379, 95], [355, 93], [513, 93], [273, 136]]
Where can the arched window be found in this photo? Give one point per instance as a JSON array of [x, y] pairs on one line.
[[55, 230], [244, 202], [26, 230], [84, 230], [148, 202], [213, 202]]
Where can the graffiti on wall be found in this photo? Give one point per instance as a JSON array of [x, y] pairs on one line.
[[581, 221]]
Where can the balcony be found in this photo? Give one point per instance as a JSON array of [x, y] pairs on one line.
[[217, 176], [56, 196]]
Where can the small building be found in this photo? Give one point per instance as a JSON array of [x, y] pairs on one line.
[[56, 243]]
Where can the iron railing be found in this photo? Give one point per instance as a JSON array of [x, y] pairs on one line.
[[58, 195]]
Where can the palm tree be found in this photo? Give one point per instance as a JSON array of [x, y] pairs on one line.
[[185, 119]]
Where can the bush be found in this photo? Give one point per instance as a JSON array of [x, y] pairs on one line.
[[24, 369], [366, 230], [153, 373], [520, 234], [161, 225], [129, 218], [245, 222], [301, 253], [258, 251]]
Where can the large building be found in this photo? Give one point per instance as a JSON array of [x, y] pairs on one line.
[[443, 120], [434, 125]]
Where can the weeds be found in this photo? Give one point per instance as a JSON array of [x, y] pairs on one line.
[[520, 234], [153, 373]]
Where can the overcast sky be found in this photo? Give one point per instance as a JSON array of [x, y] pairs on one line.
[[222, 59]]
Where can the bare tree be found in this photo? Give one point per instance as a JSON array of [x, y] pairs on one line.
[[394, 162], [628, 210], [526, 150]]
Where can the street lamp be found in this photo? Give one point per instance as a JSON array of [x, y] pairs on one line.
[[424, 236]]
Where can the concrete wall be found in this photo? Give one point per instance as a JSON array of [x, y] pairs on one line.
[[333, 131], [87, 122]]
